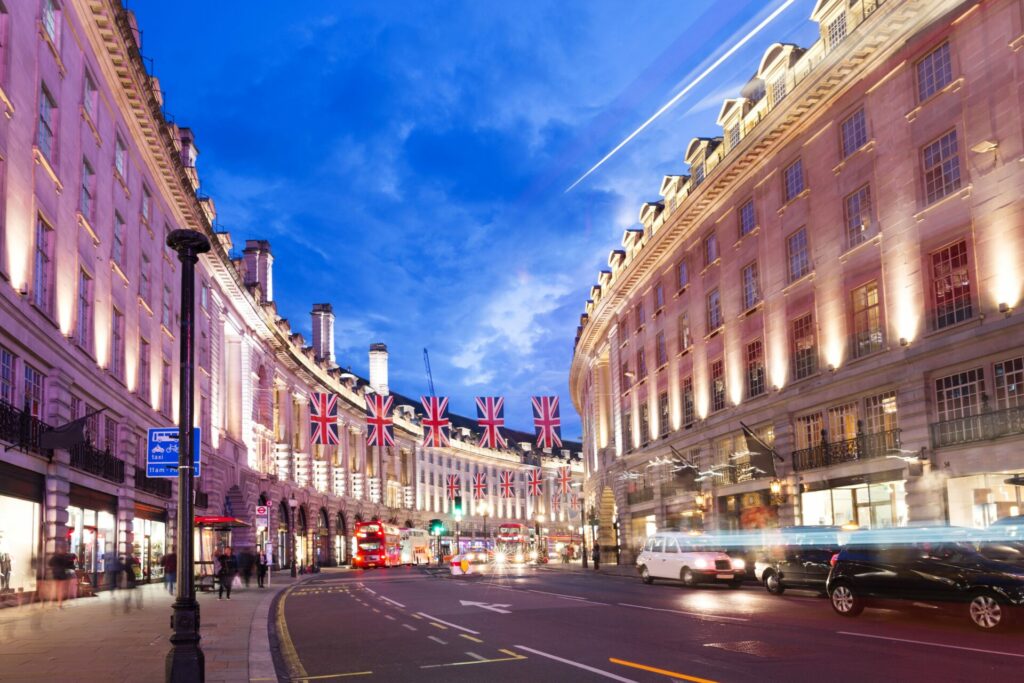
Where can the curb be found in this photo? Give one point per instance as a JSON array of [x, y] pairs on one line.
[[262, 636]]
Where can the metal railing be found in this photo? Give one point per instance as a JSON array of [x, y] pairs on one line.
[[861, 447], [983, 427], [158, 487], [88, 458], [20, 428]]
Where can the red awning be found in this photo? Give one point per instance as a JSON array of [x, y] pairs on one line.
[[220, 522]]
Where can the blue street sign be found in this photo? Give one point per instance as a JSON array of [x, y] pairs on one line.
[[162, 452]]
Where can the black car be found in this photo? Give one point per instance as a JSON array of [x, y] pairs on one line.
[[979, 580], [799, 558]]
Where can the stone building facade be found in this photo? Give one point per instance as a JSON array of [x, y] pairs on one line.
[[839, 271], [92, 180]]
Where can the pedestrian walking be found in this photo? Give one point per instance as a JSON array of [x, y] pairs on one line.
[[129, 570], [596, 556], [227, 572], [261, 569], [170, 564], [247, 562]]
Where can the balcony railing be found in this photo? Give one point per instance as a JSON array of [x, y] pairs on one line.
[[158, 487], [861, 447], [88, 458], [984, 427], [18, 427], [640, 496], [675, 488]]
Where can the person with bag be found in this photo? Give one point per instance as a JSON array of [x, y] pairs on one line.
[[228, 572], [596, 556], [261, 569]]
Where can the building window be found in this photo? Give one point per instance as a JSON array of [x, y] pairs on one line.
[[683, 274], [710, 249], [663, 414], [1009, 376], [683, 324], [638, 314], [793, 180], [941, 162], [47, 125], [959, 395], [715, 319], [204, 295], [689, 409], [797, 255], [89, 95], [165, 389], [777, 91], [51, 20], [85, 204], [6, 376], [854, 133], [808, 430], [751, 291], [626, 375], [842, 422], [645, 424], [641, 364], [627, 431], [755, 368], [697, 171], [117, 345], [117, 248], [120, 158], [144, 371], [85, 310], [837, 30], [147, 205], [857, 213], [805, 347], [934, 72], [33, 392], [867, 320], [42, 277], [880, 413], [110, 435], [734, 135], [165, 313], [748, 220], [661, 349], [144, 286], [951, 285], [717, 385]]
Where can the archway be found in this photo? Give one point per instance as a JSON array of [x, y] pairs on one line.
[[301, 538], [341, 539], [322, 542], [281, 552]]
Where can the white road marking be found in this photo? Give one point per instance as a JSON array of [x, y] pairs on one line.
[[576, 598], [393, 602], [476, 656], [578, 665], [388, 616], [438, 640], [448, 623], [410, 627], [495, 607], [369, 590], [924, 642], [702, 615]]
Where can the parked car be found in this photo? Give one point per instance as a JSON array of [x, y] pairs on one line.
[[980, 580], [1008, 527], [677, 556], [799, 558]]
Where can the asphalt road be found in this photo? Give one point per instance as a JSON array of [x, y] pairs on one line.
[[551, 625]]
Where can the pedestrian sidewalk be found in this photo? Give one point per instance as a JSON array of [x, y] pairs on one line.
[[606, 569], [123, 636]]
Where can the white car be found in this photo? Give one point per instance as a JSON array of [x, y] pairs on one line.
[[674, 555]]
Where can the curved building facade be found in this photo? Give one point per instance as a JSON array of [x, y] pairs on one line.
[[817, 323]]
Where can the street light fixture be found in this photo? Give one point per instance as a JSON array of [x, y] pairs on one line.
[[775, 491], [293, 505]]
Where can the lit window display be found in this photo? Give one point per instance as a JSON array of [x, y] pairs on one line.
[[870, 506], [93, 541], [149, 543], [19, 544], [981, 499]]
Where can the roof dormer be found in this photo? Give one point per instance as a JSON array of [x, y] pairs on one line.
[[833, 21], [777, 62], [730, 118], [697, 153]]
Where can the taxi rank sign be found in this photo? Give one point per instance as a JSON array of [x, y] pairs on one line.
[[162, 452]]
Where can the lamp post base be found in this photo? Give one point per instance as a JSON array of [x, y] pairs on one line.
[[186, 662]]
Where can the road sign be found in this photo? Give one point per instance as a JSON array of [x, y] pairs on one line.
[[495, 607], [162, 452], [262, 516]]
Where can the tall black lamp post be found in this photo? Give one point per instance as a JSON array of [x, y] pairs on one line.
[[293, 505], [185, 662]]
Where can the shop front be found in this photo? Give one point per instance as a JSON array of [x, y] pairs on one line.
[[21, 495], [301, 539], [212, 534], [340, 545], [92, 535], [980, 499], [149, 542], [322, 540], [749, 510], [876, 501], [281, 557]]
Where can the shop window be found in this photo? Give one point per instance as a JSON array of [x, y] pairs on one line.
[[934, 72], [804, 347], [1009, 376], [857, 216], [867, 320], [941, 167], [717, 385], [689, 408], [20, 521], [978, 500], [951, 285], [755, 368], [871, 505]]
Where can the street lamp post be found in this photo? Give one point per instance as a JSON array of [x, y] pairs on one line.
[[185, 662], [293, 505], [536, 529]]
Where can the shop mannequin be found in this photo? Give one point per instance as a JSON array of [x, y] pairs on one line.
[[5, 566]]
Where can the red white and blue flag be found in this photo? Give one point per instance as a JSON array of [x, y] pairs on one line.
[[507, 484], [323, 419], [380, 426], [555, 504], [436, 425], [490, 415], [546, 421], [480, 485], [535, 482], [564, 481], [574, 502], [453, 486]]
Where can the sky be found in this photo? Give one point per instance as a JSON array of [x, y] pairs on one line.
[[408, 161]]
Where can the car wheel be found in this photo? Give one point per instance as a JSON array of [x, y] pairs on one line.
[[988, 612], [645, 575], [845, 600], [687, 577], [773, 584]]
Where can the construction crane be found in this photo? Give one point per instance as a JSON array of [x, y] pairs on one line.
[[430, 377]]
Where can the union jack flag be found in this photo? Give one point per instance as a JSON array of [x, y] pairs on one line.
[[564, 481], [535, 482], [546, 421], [436, 425], [479, 484], [507, 484], [379, 423], [453, 486], [323, 418], [490, 415], [574, 502], [555, 505]]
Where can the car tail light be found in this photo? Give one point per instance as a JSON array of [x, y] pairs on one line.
[[835, 558]]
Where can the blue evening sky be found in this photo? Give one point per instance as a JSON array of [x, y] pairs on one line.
[[408, 160]]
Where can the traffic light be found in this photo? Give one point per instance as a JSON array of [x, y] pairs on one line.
[[457, 507], [436, 527]]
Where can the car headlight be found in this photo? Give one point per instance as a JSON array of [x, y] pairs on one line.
[[499, 558], [739, 564], [533, 554], [701, 563], [519, 557]]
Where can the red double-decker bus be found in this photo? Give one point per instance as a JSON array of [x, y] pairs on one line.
[[377, 545]]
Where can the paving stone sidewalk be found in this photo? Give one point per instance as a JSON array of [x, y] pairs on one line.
[[122, 636]]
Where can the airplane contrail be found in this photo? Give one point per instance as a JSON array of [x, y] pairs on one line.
[[689, 86]]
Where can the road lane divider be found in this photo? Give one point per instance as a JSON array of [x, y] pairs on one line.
[[326, 677], [288, 652], [578, 665], [437, 640], [513, 657], [925, 642], [469, 637], [663, 672], [700, 615], [424, 615], [393, 602], [410, 627]]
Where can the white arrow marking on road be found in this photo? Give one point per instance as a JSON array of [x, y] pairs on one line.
[[483, 605]]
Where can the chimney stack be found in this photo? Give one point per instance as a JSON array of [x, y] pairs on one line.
[[379, 368], [259, 268], [323, 332]]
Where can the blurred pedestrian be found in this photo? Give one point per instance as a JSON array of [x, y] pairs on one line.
[[261, 569], [170, 564], [129, 570], [596, 556], [227, 572], [247, 562], [57, 564]]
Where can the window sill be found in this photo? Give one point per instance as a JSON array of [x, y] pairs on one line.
[[682, 290], [875, 239], [797, 282], [45, 163], [6, 102], [952, 86], [163, 328], [117, 269], [83, 222], [714, 333], [145, 223], [752, 310], [53, 48], [92, 125], [973, 320], [803, 193], [685, 351], [142, 302], [711, 265], [659, 311], [639, 329], [859, 152], [124, 184], [661, 367], [756, 230], [816, 373], [963, 193]]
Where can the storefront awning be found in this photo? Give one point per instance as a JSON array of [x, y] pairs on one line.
[[220, 522]]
